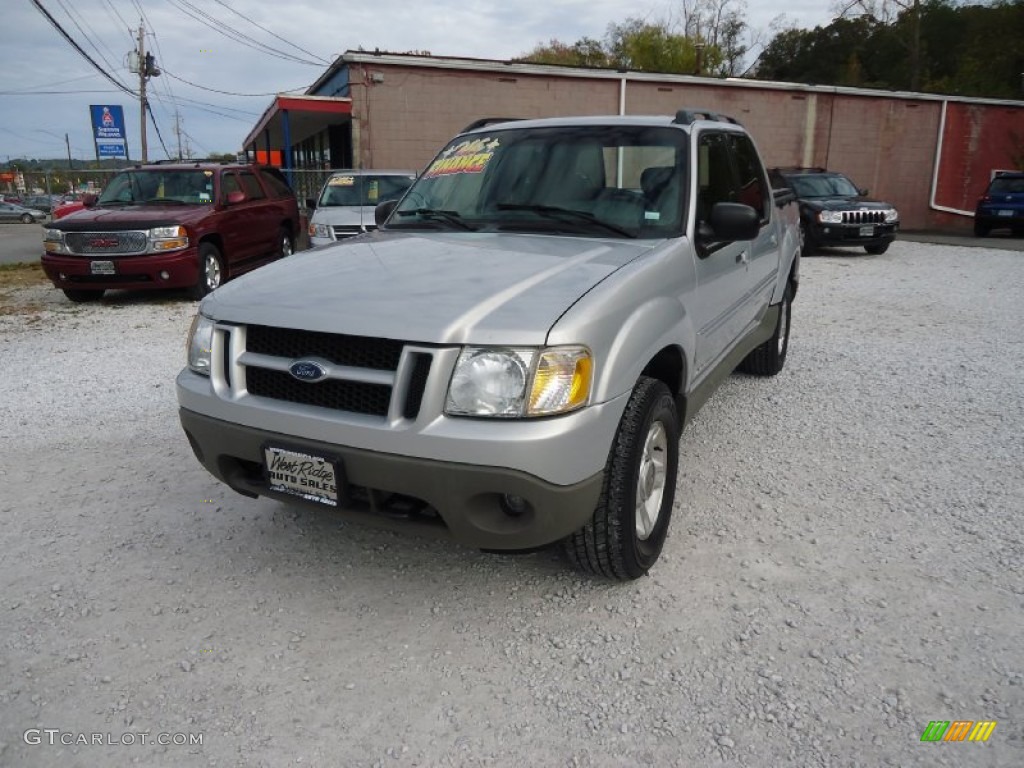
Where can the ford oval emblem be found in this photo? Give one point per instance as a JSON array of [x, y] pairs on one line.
[[307, 370]]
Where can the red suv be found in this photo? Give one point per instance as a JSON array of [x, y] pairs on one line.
[[185, 225]]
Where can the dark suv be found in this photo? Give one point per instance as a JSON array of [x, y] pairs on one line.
[[834, 212], [185, 225], [1002, 205]]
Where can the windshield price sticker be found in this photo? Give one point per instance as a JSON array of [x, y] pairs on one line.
[[342, 181], [470, 156]]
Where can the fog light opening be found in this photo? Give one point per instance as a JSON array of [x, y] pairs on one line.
[[164, 275], [63, 276], [514, 506]]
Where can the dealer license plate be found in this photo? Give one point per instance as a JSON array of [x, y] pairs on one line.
[[867, 231], [102, 268], [1006, 213], [313, 478]]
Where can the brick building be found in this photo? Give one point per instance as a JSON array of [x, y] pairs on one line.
[[930, 155]]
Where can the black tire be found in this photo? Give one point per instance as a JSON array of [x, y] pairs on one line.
[[27, 218], [810, 245], [877, 250], [769, 358], [211, 271], [81, 296], [1018, 231], [285, 243], [647, 442], [980, 230]]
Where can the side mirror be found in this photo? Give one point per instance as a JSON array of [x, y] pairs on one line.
[[89, 200], [383, 210], [731, 221], [236, 197], [863, 192], [311, 203]]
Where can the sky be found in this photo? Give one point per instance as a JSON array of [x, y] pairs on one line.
[[46, 86]]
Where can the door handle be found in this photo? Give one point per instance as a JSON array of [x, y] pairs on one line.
[[742, 258]]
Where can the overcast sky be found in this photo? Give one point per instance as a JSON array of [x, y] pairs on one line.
[[46, 86]]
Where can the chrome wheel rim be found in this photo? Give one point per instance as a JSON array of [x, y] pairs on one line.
[[286, 246], [783, 328], [650, 483], [212, 272]]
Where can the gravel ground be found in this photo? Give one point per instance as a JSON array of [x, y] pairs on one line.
[[845, 565]]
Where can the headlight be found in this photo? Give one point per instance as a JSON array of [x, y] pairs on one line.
[[200, 345], [891, 216], [831, 217], [53, 240], [319, 230], [513, 382], [168, 238]]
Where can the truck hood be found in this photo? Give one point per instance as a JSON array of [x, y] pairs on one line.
[[846, 204], [441, 288], [121, 217]]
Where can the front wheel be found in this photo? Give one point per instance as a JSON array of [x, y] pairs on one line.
[[809, 246], [877, 250], [285, 246], [769, 358], [211, 271], [627, 531]]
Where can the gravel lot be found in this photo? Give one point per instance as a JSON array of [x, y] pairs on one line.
[[846, 564]]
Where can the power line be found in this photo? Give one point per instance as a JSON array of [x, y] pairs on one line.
[[157, 127], [85, 34], [57, 93], [232, 34], [79, 48], [272, 34], [110, 7], [229, 93]]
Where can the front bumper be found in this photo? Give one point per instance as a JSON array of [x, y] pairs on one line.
[[131, 272], [460, 500], [852, 235]]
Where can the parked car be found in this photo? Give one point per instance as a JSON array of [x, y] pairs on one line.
[[42, 203], [346, 203], [1002, 205], [13, 212], [186, 225], [835, 212], [63, 209], [511, 356]]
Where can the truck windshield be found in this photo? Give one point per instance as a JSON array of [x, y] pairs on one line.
[[344, 189], [595, 180], [159, 185]]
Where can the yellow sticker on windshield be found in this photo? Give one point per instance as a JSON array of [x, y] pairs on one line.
[[470, 156], [342, 181]]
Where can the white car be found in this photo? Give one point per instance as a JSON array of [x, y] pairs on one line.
[[346, 203]]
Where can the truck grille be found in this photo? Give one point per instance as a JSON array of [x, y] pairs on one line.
[[341, 231], [377, 370], [863, 217], [106, 243], [351, 396], [357, 351]]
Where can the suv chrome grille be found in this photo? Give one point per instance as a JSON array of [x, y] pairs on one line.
[[341, 231], [106, 243], [863, 217]]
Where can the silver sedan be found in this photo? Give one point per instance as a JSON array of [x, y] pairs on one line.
[[12, 212]]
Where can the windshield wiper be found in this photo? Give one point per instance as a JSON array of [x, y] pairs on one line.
[[165, 200], [449, 217], [555, 212]]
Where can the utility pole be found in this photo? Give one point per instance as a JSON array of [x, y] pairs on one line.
[[177, 130], [142, 92], [71, 165], [145, 65]]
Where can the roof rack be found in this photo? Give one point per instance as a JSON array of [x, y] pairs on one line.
[[487, 121], [688, 116]]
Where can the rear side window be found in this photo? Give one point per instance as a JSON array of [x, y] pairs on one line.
[[275, 182], [251, 186]]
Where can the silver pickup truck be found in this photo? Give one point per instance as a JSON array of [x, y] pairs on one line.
[[511, 357]]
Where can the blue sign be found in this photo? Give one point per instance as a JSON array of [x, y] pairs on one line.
[[108, 130]]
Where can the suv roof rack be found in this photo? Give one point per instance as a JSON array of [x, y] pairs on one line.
[[688, 116], [487, 121]]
